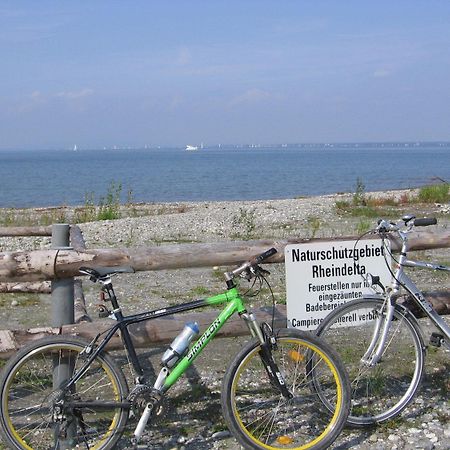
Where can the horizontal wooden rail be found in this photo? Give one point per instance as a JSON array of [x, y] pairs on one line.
[[36, 287], [440, 300], [156, 332], [25, 231], [145, 335], [76, 236], [42, 265]]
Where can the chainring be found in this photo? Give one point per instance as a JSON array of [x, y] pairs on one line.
[[141, 396]]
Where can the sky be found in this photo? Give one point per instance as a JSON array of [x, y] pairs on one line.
[[166, 73]]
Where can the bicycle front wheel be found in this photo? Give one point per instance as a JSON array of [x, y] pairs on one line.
[[260, 417], [38, 413], [382, 391]]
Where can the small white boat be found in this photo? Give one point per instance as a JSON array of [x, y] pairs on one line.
[[191, 148]]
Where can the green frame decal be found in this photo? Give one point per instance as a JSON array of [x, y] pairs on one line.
[[235, 304]]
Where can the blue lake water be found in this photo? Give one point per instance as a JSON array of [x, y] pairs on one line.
[[62, 177]]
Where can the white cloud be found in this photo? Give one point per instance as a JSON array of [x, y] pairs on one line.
[[381, 73], [38, 100], [251, 96], [29, 103], [184, 57], [36, 96], [73, 95], [175, 102]]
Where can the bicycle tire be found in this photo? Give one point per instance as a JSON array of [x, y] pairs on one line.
[[261, 418], [29, 419], [381, 392]]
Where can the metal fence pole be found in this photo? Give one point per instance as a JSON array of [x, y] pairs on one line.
[[62, 314], [62, 289]]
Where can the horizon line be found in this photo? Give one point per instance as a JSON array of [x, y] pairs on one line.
[[416, 143]]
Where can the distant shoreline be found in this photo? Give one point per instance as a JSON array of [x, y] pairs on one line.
[[370, 144]]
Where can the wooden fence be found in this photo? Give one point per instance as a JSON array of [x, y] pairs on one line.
[[31, 271]]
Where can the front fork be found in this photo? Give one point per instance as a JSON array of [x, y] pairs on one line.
[[268, 343], [383, 323]]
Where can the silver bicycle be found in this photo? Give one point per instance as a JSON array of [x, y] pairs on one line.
[[384, 352]]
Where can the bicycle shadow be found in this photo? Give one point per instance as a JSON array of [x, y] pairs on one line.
[[191, 412], [189, 419]]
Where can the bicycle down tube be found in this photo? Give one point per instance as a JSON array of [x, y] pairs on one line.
[[235, 305]]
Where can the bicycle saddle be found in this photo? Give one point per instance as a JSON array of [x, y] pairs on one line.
[[104, 272]]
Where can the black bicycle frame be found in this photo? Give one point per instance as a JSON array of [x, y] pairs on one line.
[[123, 322]]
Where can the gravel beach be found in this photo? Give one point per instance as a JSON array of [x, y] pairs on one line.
[[193, 418]]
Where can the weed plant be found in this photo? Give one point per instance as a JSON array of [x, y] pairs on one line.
[[437, 193], [109, 206], [244, 224], [363, 225], [313, 224], [87, 213], [363, 205], [359, 197]]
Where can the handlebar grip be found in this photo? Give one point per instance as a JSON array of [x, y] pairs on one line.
[[426, 221], [267, 254]]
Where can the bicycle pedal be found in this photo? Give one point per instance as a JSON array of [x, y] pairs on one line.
[[436, 339]]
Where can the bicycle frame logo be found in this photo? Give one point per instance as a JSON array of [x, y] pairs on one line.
[[206, 335], [423, 301]]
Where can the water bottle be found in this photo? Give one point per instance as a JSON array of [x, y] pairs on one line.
[[180, 344]]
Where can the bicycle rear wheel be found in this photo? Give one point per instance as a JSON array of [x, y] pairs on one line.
[[261, 418], [37, 414], [381, 392]]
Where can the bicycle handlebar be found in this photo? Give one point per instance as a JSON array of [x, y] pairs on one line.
[[258, 259], [386, 226]]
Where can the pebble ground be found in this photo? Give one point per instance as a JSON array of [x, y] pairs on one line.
[[193, 418]]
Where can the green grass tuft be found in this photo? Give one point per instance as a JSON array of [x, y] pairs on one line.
[[437, 193]]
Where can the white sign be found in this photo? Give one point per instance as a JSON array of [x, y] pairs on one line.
[[321, 276]]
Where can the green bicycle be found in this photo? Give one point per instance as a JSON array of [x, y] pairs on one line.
[[63, 393]]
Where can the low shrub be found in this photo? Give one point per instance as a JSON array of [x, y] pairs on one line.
[[437, 193]]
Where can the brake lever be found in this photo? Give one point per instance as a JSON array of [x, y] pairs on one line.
[[257, 271], [247, 274]]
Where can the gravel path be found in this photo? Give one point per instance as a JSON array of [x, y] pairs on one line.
[[193, 418]]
